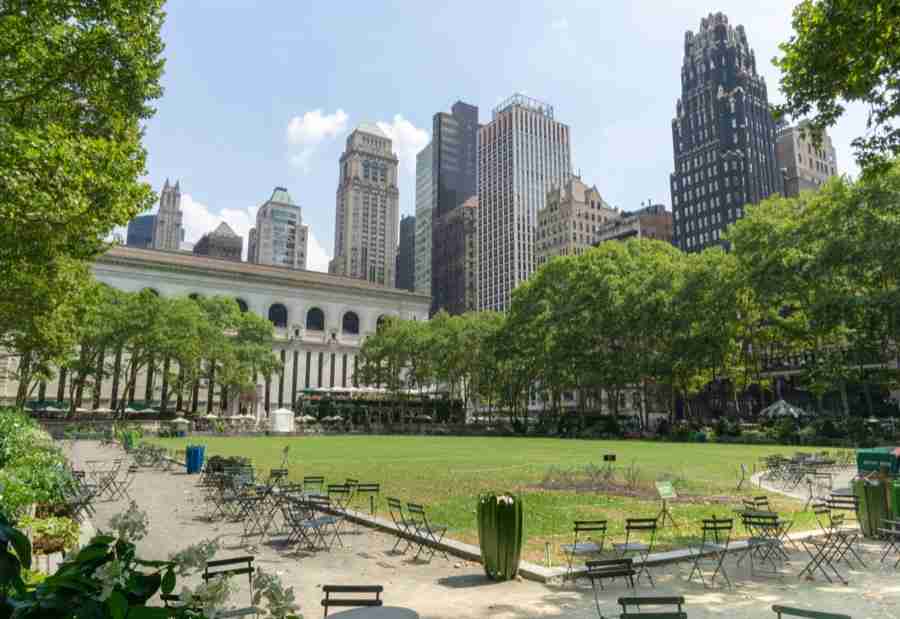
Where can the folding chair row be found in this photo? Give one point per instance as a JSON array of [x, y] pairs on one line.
[[416, 529]]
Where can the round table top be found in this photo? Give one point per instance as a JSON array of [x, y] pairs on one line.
[[376, 612]]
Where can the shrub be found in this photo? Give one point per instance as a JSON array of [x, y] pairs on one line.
[[51, 534]]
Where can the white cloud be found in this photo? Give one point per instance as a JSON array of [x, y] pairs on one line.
[[316, 257], [560, 23], [306, 132], [407, 140]]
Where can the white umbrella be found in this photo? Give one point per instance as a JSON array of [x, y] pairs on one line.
[[103, 409], [81, 409], [782, 409], [306, 419], [179, 420], [282, 410], [130, 410], [210, 416], [150, 410], [52, 409]]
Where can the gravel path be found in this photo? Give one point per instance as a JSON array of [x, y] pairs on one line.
[[450, 589]]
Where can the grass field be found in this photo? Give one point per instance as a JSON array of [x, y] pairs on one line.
[[448, 473]]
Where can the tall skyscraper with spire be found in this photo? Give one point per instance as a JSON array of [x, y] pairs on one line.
[[723, 135], [368, 208], [168, 232]]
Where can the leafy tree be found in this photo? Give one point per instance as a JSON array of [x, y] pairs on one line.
[[78, 79], [846, 51]]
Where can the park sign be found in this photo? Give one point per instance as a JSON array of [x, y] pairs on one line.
[[666, 490]]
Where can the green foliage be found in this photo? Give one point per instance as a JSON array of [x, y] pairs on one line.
[[32, 468], [51, 534], [846, 51], [500, 530], [78, 79]]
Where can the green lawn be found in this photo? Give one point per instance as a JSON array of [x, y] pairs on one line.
[[448, 473]]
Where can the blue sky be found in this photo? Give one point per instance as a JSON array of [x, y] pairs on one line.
[[264, 93]]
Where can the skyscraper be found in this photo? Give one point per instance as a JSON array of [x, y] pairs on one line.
[[455, 172], [220, 243], [459, 227], [803, 165], [522, 154], [168, 232], [424, 207], [406, 254], [280, 237], [368, 208], [723, 135], [140, 231]]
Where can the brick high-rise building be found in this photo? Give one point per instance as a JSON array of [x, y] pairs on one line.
[[649, 222], [804, 165], [454, 148], [523, 153], [723, 135], [368, 208]]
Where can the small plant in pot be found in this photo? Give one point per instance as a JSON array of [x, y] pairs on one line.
[[500, 534]]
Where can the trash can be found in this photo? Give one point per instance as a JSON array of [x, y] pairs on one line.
[[192, 457], [201, 455], [873, 505], [895, 499]]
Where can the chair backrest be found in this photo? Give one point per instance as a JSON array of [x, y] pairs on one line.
[[756, 521], [367, 488], [416, 512], [639, 602], [843, 502], [235, 566], [352, 482], [589, 526], [329, 601], [787, 611], [338, 490], [313, 481], [610, 568], [717, 530]]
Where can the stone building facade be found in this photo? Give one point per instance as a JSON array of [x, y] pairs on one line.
[[804, 165], [723, 135], [649, 222], [368, 208], [168, 232], [320, 323], [567, 225]]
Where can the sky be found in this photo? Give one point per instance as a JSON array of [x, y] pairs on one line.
[[264, 94]]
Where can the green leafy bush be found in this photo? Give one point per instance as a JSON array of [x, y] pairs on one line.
[[51, 534], [32, 468]]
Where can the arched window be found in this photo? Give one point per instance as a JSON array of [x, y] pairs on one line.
[[278, 315], [315, 320], [382, 320], [242, 305], [350, 323]]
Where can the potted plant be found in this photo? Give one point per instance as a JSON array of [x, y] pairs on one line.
[[500, 533]]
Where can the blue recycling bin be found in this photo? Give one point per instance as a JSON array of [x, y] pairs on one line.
[[189, 459], [201, 456]]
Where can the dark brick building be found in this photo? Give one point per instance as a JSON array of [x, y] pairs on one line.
[[723, 135]]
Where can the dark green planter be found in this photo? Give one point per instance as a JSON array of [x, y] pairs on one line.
[[500, 534]]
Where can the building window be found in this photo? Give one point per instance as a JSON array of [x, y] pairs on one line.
[[315, 320], [350, 323], [278, 315]]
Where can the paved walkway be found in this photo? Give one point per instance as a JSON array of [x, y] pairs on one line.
[[450, 589]]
